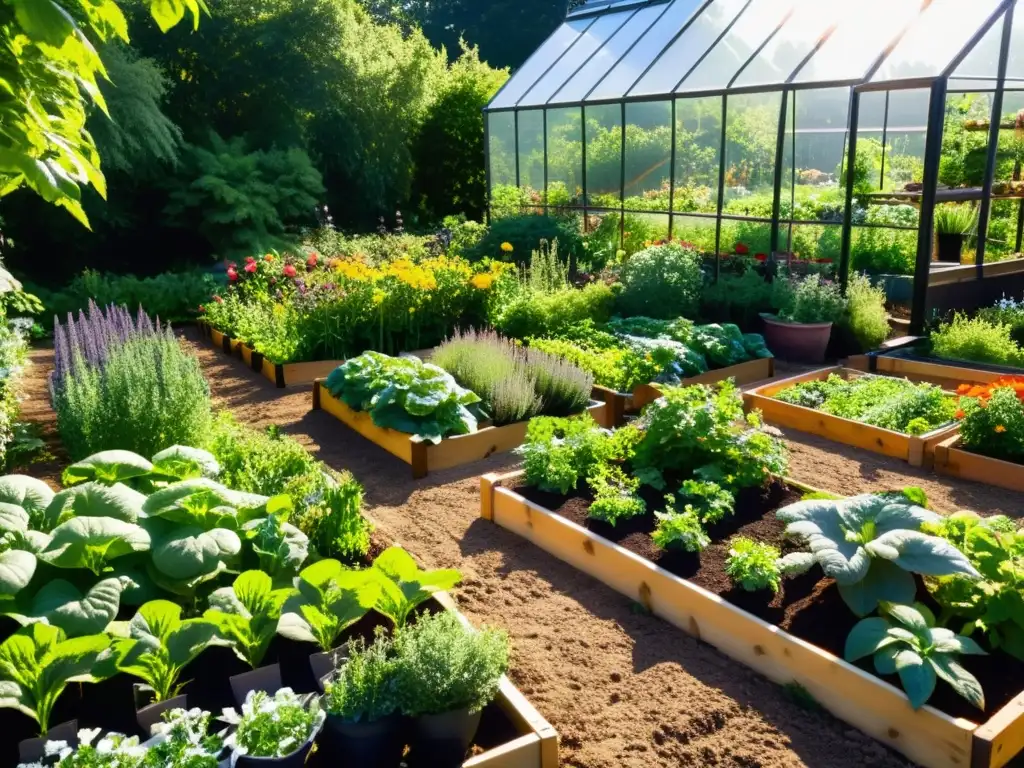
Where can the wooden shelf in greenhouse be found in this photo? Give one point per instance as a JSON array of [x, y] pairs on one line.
[[422, 455], [953, 461], [926, 736], [621, 403], [917, 450], [983, 125], [942, 196]]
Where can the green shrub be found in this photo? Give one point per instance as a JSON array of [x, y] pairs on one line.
[[977, 340], [808, 300], [558, 453], [525, 234], [994, 427], [738, 299], [445, 666], [614, 494], [866, 316], [531, 313], [620, 368], [1006, 312], [663, 281], [365, 687]]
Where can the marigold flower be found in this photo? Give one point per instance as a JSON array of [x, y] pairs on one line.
[[482, 281], [289, 270], [269, 257], [959, 414], [312, 260], [507, 247], [1000, 429]]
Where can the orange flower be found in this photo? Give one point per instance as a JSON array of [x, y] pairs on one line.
[[959, 414], [1000, 429]]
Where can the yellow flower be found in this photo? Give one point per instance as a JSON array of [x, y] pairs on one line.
[[483, 281], [378, 296], [507, 247], [1000, 428]]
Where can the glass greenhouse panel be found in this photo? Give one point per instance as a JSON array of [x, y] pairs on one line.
[[808, 25], [666, 72], [865, 30], [754, 236], [565, 157], [725, 60], [580, 84], [531, 152], [698, 154], [816, 243], [818, 148], [906, 132], [982, 61], [752, 125], [935, 39], [501, 149], [696, 230], [636, 62], [1015, 65], [543, 58], [604, 156], [587, 45], [648, 156]]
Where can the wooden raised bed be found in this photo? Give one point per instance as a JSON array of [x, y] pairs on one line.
[[954, 461], [422, 455], [537, 747], [946, 376], [621, 403], [927, 736], [918, 450]]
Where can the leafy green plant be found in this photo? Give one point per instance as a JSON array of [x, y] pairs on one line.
[[753, 565], [871, 545], [906, 642], [558, 453], [620, 368], [525, 233], [445, 666], [61, 604], [953, 219], [365, 686], [976, 340], [93, 543], [866, 316], [187, 741], [38, 661], [329, 599], [661, 281], [247, 613], [992, 421], [273, 726], [406, 395], [404, 586], [615, 495], [709, 500], [160, 644], [808, 300], [679, 530]]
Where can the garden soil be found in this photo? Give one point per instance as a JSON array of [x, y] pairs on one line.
[[623, 689]]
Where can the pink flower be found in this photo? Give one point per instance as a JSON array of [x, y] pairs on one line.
[[250, 259], [289, 270], [250, 267], [233, 274], [312, 260], [741, 249]]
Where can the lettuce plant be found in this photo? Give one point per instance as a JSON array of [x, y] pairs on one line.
[[160, 644], [27, 493], [614, 494], [558, 453], [93, 543], [403, 586], [247, 613], [679, 530], [329, 598], [905, 641], [871, 545], [37, 663], [753, 565], [60, 603]]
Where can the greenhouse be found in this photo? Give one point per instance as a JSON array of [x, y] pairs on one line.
[[731, 124]]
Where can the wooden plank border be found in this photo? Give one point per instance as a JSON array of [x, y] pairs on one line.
[[423, 456], [954, 461], [946, 376], [927, 736], [622, 403], [917, 450]]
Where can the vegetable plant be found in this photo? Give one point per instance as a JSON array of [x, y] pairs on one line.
[[905, 641], [679, 530], [273, 726], [160, 644], [558, 453], [404, 586], [61, 604], [246, 614], [38, 661], [753, 565], [365, 686], [329, 598], [614, 494], [871, 545], [992, 418], [187, 741], [93, 543]]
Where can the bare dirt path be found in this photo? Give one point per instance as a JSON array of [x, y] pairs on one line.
[[623, 689]]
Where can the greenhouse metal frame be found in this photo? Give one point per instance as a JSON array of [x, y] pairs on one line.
[[688, 62]]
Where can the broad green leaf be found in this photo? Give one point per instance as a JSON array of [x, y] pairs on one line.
[[963, 682], [154, 622], [107, 467], [796, 563], [167, 13], [910, 618], [17, 568], [117, 501], [13, 518], [29, 493], [319, 614], [44, 20], [60, 603], [885, 659], [183, 463], [865, 638], [203, 502], [946, 641], [92, 542], [884, 582], [73, 659], [917, 677], [404, 586], [920, 553], [190, 639], [189, 552]]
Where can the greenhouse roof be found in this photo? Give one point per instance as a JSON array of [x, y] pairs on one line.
[[613, 50]]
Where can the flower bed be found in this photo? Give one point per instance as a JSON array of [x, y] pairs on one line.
[[737, 567], [921, 410]]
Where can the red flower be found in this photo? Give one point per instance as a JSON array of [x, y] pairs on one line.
[[959, 414], [250, 267], [761, 256], [289, 270], [250, 259], [741, 249], [311, 261], [218, 299], [232, 265], [233, 274]]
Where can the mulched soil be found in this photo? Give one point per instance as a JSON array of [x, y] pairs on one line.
[[623, 689]]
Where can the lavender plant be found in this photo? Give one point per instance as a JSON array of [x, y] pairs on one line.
[[124, 382]]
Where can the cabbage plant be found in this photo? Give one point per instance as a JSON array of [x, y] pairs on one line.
[[871, 545]]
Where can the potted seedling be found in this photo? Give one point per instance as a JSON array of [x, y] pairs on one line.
[[246, 614], [363, 721], [274, 730], [447, 673], [952, 223], [806, 308]]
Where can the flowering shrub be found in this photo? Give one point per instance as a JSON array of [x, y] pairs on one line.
[[992, 418]]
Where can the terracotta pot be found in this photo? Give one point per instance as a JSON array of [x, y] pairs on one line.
[[32, 750], [441, 741], [802, 342], [379, 744]]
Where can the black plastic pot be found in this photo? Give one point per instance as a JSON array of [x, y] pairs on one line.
[[950, 245], [296, 759], [267, 679], [324, 664], [441, 741], [148, 715], [369, 745], [32, 750]]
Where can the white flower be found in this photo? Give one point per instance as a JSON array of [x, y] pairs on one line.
[[86, 735], [52, 748]]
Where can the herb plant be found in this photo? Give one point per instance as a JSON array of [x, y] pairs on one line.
[[246, 614], [906, 642], [273, 726], [679, 530], [187, 741], [615, 495], [871, 545], [365, 687], [753, 565], [558, 453], [976, 340], [445, 666], [808, 300], [114, 750], [661, 281]]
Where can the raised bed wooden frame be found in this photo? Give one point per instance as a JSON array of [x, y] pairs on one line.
[[955, 461], [537, 747], [946, 376], [621, 403], [422, 455], [927, 736], [917, 450]]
